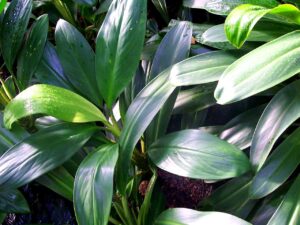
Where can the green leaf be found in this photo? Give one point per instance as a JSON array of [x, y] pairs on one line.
[[223, 7], [280, 113], [2, 216], [183, 216], [78, 60], [60, 181], [94, 186], [239, 130], [278, 167], [86, 2], [174, 48], [240, 80], [119, 45], [12, 201], [161, 7], [232, 197], [13, 28], [2, 6], [193, 71], [195, 154], [288, 211], [50, 71], [149, 101], [41, 152], [53, 101], [242, 20], [32, 52], [195, 99]]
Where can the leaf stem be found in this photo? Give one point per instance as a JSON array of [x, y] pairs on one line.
[[127, 211]]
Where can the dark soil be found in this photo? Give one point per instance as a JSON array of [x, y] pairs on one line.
[[182, 191]]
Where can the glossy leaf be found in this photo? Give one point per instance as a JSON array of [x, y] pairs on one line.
[[280, 113], [78, 60], [119, 45], [239, 130], [53, 101], [183, 216], [149, 101], [13, 28], [242, 20], [41, 152], [223, 7], [195, 154], [60, 181], [288, 211], [173, 49], [32, 51], [50, 71], [195, 99], [232, 197], [278, 167], [240, 80], [94, 186], [12, 201], [212, 64]]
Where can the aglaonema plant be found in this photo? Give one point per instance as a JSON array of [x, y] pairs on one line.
[[111, 105]]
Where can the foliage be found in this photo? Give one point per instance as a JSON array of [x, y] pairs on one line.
[[89, 93]]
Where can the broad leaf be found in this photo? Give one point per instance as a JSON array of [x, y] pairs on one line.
[[12, 201], [288, 211], [149, 101], [119, 45], [194, 153], [41, 152], [239, 130], [53, 101], [13, 28], [212, 64], [78, 60], [183, 216], [50, 71], [240, 80], [242, 19], [223, 7], [32, 52], [173, 49], [195, 99], [278, 167], [280, 113], [94, 186]]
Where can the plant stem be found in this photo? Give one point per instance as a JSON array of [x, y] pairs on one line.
[[127, 211], [6, 89], [114, 221]]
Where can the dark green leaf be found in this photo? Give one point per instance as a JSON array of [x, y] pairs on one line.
[[94, 186], [183, 216], [239, 130], [240, 80], [60, 181], [196, 154], [119, 45], [278, 167], [2, 216], [223, 7], [280, 113], [77, 59], [54, 101], [242, 20], [50, 71], [161, 6], [288, 212], [12, 201], [13, 28], [86, 2], [41, 152], [32, 52]]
